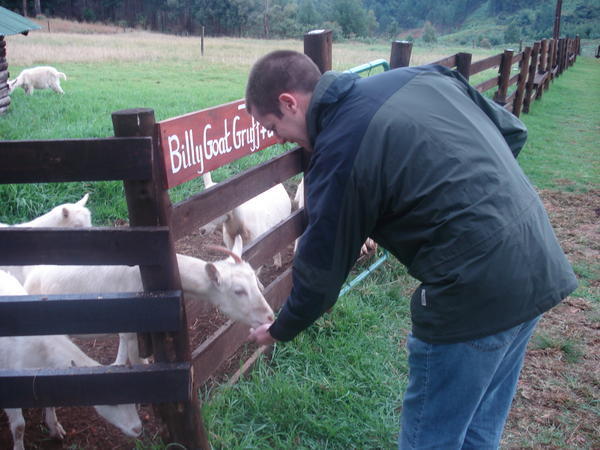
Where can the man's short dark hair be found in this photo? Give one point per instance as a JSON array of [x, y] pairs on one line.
[[277, 72]]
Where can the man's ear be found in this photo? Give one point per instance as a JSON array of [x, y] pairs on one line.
[[288, 102]]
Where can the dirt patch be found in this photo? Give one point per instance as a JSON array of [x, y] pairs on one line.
[[557, 396]]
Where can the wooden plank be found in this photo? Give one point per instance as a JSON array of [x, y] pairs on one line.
[[75, 160], [201, 208], [83, 246], [488, 84], [512, 80], [486, 63], [205, 140], [148, 203], [448, 61], [226, 340], [103, 385], [517, 58], [38, 315]]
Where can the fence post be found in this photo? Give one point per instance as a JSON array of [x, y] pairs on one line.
[[561, 56], [148, 204], [524, 69], [317, 45], [504, 77], [400, 54], [530, 76], [463, 64], [551, 62], [543, 57]]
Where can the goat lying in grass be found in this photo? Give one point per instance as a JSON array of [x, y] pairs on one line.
[[230, 285], [41, 77], [253, 217], [73, 215], [33, 352]]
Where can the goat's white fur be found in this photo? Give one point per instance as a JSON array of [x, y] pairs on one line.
[[41, 77], [253, 217], [232, 287], [58, 351], [73, 215], [367, 246]]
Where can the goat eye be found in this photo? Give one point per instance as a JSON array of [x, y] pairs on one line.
[[240, 292]]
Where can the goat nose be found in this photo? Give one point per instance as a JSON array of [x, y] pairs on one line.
[[137, 430], [270, 318]]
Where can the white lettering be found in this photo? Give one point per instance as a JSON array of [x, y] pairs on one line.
[[174, 153]]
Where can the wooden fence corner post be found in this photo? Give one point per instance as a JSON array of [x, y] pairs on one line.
[[148, 204], [318, 46], [504, 77], [463, 64], [400, 54], [524, 69], [530, 76]]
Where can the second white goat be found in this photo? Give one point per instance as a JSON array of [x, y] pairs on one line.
[[253, 217]]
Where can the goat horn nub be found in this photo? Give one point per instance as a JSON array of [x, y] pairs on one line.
[[221, 249]]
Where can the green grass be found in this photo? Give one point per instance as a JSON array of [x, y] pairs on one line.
[[562, 151]]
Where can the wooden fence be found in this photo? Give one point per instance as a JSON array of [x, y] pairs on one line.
[[152, 157], [536, 67]]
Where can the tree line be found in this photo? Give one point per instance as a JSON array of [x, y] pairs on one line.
[[292, 18]]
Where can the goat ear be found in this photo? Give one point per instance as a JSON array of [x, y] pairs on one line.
[[238, 244], [213, 274], [83, 200]]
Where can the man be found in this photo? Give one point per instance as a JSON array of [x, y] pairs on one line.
[[419, 160]]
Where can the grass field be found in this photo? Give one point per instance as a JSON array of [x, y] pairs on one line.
[[340, 384]]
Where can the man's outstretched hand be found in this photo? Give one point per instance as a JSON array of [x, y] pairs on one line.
[[261, 335]]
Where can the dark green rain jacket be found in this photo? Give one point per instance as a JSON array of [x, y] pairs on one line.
[[420, 161]]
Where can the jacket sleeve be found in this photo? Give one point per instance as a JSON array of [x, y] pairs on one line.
[[327, 250], [513, 130]]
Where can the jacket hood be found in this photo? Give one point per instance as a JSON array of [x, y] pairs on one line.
[[332, 87]]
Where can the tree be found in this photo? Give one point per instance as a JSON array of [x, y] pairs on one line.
[[512, 33], [351, 16], [429, 34]]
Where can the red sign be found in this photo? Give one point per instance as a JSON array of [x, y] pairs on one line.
[[205, 140]]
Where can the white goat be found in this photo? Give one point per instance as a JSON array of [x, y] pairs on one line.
[[252, 218], [230, 285], [74, 215], [41, 77], [33, 352], [367, 246]]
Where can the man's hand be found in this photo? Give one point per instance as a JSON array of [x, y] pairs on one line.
[[261, 335]]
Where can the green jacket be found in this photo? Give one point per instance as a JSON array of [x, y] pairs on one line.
[[420, 161]]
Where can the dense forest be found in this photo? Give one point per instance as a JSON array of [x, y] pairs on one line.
[[347, 18]]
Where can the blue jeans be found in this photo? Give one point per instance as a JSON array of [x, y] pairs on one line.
[[459, 395]]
